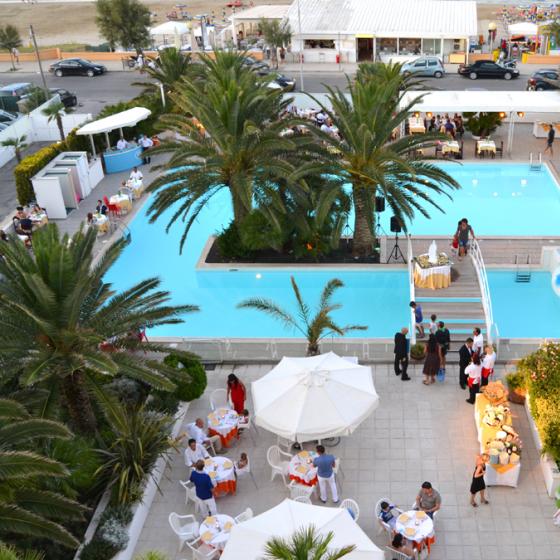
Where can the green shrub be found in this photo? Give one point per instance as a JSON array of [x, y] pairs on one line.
[[417, 351], [258, 232], [192, 381], [516, 380], [482, 124], [122, 513], [98, 549], [152, 555], [230, 244], [163, 401]]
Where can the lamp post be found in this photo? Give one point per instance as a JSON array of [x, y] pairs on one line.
[[301, 47], [32, 36]]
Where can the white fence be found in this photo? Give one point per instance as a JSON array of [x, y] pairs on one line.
[[36, 127], [411, 289]]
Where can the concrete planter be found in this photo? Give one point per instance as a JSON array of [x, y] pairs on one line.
[[142, 509], [549, 468]]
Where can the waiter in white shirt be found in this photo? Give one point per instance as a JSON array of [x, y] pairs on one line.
[[478, 341], [146, 143], [195, 452], [196, 431], [136, 175], [122, 144]]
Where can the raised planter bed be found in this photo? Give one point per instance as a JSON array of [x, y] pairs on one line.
[[549, 468]]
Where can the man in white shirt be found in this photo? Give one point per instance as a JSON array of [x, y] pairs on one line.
[[197, 432], [146, 143], [122, 144], [136, 175], [195, 452], [478, 342]]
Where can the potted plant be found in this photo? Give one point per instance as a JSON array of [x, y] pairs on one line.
[[517, 385], [482, 124], [417, 351]]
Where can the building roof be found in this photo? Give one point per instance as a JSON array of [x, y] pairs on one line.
[[266, 11], [382, 18]]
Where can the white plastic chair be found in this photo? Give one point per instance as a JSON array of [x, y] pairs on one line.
[[298, 490], [218, 399], [385, 527], [303, 500], [190, 494], [246, 426], [338, 472], [244, 516], [274, 457], [246, 470], [396, 555], [351, 505], [284, 444], [185, 527], [382, 525], [202, 551]]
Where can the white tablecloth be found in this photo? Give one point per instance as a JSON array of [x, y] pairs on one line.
[[101, 222], [485, 146], [426, 272], [220, 469], [122, 201], [508, 478], [301, 467], [424, 527], [450, 147], [215, 530], [416, 124], [223, 421]]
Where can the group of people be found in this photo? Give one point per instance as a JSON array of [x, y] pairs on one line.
[[476, 364], [451, 126], [25, 222], [144, 141]]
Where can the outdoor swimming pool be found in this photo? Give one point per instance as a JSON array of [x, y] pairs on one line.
[[377, 299]]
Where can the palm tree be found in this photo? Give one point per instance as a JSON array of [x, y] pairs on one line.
[[376, 161], [389, 73], [26, 509], [10, 40], [63, 328], [305, 544], [233, 143], [11, 553], [17, 143], [55, 111], [168, 69], [315, 327], [277, 34]]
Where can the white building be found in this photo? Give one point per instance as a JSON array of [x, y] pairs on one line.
[[360, 30]]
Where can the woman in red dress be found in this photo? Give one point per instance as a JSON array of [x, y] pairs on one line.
[[236, 391]]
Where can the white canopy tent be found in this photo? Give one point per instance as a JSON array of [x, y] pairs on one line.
[[523, 28], [513, 103], [170, 28], [248, 539], [304, 399], [130, 117]]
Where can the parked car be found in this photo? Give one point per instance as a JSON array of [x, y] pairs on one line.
[[255, 64], [430, 66], [77, 67], [7, 117], [4, 125], [287, 84], [67, 98], [487, 69], [537, 83], [11, 94]]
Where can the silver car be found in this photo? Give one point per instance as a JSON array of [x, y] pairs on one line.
[[424, 66]]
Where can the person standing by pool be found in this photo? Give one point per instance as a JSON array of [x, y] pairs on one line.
[[465, 354], [443, 338], [550, 139], [401, 354], [462, 234], [488, 362], [418, 318], [432, 361], [478, 485], [478, 341], [473, 371], [236, 391]]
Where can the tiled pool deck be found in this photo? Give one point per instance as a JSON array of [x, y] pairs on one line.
[[417, 433]]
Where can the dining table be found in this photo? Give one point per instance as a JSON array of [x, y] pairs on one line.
[[122, 201], [136, 187], [485, 146], [450, 147], [101, 222], [215, 530], [301, 469], [222, 472], [223, 422], [417, 527]]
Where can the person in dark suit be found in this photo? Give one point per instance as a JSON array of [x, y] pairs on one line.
[[465, 354], [401, 354]]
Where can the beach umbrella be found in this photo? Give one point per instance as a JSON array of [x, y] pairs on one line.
[[304, 399], [248, 539]]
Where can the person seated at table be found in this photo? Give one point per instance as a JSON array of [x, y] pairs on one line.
[[204, 487], [243, 420], [399, 543], [386, 514], [37, 211], [136, 174], [198, 432], [24, 227], [122, 144], [20, 213], [90, 220], [428, 499], [126, 190], [194, 453], [243, 461], [101, 208]]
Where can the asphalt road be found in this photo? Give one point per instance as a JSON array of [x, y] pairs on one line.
[[94, 93]]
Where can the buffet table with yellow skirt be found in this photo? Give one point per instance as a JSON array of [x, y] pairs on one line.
[[434, 278]]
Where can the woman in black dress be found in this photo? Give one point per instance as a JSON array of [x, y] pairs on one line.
[[478, 484], [432, 360]]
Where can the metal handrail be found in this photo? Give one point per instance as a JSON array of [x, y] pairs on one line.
[[412, 292], [478, 262]]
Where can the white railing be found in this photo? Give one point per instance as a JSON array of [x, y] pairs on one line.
[[478, 262], [410, 263]]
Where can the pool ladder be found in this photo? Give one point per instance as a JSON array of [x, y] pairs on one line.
[[522, 275], [535, 164]]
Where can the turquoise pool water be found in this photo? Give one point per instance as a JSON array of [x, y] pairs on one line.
[[529, 310], [377, 299]]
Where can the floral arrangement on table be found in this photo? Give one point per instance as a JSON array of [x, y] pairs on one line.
[[495, 415], [424, 262], [495, 392]]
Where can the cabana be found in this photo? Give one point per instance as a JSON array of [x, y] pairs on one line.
[[171, 32], [514, 104], [117, 160]]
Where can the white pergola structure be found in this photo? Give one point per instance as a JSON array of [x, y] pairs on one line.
[[515, 104]]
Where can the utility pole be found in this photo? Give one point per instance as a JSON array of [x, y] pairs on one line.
[[301, 43], [32, 35]]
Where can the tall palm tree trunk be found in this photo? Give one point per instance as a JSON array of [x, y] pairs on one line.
[[363, 222], [313, 348], [60, 126], [78, 403], [240, 210]]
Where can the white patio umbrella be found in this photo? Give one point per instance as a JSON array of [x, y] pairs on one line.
[[303, 399], [248, 539]]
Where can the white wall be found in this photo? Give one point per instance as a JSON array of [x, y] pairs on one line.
[[37, 128]]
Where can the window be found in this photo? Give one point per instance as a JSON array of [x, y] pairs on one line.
[[432, 62], [318, 44], [388, 46], [420, 64]]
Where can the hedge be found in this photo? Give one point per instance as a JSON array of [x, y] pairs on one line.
[[192, 385]]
